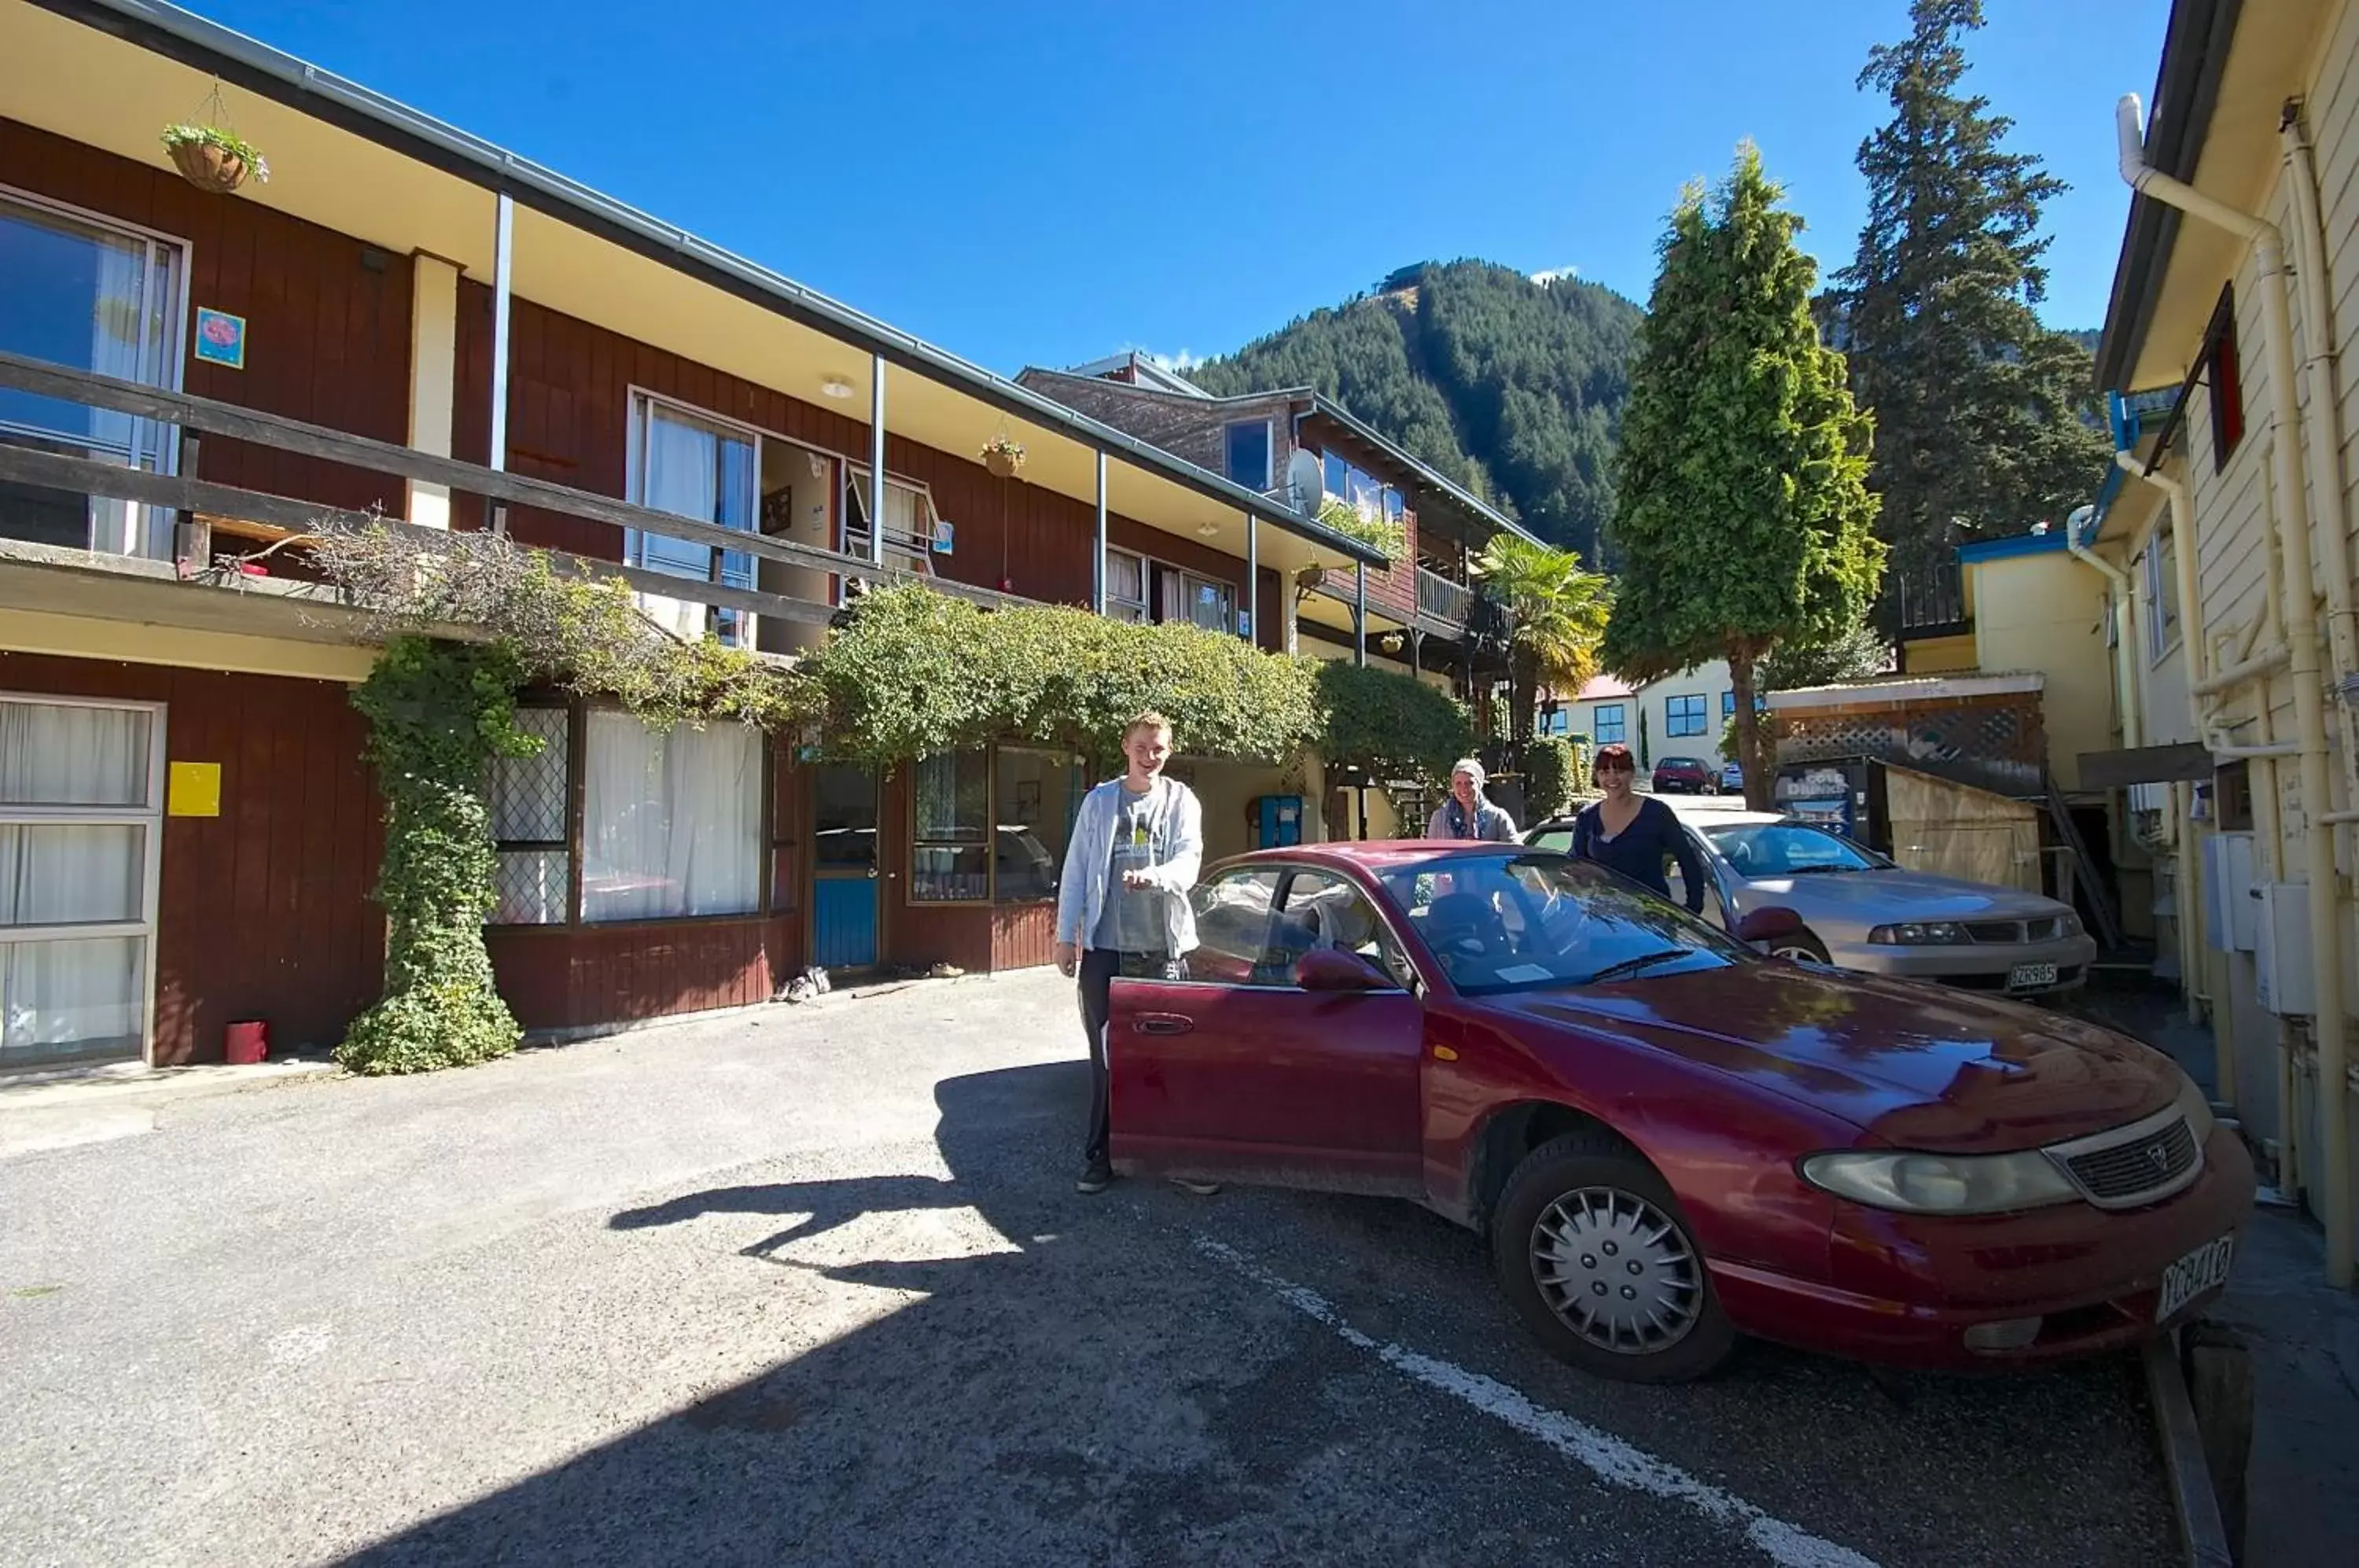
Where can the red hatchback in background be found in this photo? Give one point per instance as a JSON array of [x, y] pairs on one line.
[[1670, 1139], [1686, 776]]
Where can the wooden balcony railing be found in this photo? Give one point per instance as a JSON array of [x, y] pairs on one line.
[[1923, 601], [1436, 596], [296, 516]]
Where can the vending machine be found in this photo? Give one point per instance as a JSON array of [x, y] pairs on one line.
[[1831, 794]]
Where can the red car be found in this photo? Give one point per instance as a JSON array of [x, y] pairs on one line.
[[1670, 1139], [1686, 776]]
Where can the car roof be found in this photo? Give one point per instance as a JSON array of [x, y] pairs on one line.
[[1371, 855]]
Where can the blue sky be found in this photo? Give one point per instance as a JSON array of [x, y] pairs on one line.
[[1048, 183]]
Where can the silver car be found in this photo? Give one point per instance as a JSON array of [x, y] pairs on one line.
[[1861, 910]]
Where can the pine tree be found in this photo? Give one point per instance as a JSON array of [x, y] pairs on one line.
[[1743, 517], [1983, 416]]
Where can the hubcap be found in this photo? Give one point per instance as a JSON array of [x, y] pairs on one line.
[[1617, 1270], [1798, 955]]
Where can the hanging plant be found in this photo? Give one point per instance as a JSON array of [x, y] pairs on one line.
[[215, 159], [209, 152], [1003, 456]]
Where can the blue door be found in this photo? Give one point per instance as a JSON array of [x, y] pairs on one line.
[[843, 868]]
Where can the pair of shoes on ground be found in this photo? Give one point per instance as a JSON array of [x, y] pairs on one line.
[[1098, 1177]]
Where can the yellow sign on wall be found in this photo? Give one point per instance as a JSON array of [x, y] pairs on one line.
[[194, 790]]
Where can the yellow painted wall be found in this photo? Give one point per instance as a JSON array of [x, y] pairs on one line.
[[2047, 612], [1940, 656]]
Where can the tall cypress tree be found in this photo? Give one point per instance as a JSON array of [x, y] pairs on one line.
[[1743, 515], [1982, 414]]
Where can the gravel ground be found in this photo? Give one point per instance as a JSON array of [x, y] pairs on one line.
[[813, 1285]]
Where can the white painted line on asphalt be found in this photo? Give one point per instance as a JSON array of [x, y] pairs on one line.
[[1611, 1459]]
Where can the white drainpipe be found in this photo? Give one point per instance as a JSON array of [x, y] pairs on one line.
[[2301, 636], [2117, 610]]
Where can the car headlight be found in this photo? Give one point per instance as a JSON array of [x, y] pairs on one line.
[[1940, 1183], [2069, 924], [1920, 934]]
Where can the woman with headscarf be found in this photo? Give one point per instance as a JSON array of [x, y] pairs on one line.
[[1468, 813]]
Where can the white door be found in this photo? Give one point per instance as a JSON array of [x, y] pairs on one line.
[[81, 787]]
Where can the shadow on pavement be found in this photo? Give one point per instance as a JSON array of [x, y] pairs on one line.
[[1095, 1390]]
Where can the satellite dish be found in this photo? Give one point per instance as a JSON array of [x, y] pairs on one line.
[[1304, 476]]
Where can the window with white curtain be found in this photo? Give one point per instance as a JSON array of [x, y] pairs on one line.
[[91, 295], [1125, 586], [78, 819], [706, 471], [671, 820]]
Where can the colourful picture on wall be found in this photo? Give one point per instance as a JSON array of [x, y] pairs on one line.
[[221, 338]]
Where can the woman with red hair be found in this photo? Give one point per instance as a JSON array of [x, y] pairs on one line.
[[1636, 835]]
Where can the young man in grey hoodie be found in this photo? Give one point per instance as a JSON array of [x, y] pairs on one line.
[[1121, 903]]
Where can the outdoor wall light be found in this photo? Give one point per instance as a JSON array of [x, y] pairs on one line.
[[836, 386], [1210, 530]]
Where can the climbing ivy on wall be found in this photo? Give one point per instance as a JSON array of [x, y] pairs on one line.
[[439, 713]]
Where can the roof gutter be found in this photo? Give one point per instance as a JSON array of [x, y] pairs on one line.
[[207, 46], [2186, 90]]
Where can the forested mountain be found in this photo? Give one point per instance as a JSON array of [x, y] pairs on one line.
[[1512, 387]]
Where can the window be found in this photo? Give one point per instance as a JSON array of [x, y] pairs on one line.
[[672, 821], [1232, 918], [80, 787], [1683, 715], [1789, 849], [2161, 592], [88, 296], [1320, 909], [696, 468], [1612, 724], [1198, 600], [2221, 372], [1035, 810], [1361, 490], [952, 860], [1125, 586], [530, 811], [1521, 922], [909, 520], [1728, 705], [1249, 453]]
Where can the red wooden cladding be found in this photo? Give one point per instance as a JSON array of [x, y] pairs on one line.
[[570, 385], [263, 910], [327, 317], [556, 978]]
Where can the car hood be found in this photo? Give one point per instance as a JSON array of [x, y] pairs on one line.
[[1913, 1066], [1875, 896]]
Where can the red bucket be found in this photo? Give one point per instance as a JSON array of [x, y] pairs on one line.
[[248, 1041]]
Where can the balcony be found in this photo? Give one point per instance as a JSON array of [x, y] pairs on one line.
[[1439, 599], [1924, 603], [284, 522]]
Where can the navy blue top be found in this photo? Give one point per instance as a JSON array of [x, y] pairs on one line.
[[1639, 850]]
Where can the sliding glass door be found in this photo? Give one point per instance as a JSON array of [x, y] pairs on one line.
[[88, 296]]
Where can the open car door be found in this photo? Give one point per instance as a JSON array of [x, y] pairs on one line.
[[1292, 1057]]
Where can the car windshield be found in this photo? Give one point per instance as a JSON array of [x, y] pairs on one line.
[[1757, 850], [1524, 923]]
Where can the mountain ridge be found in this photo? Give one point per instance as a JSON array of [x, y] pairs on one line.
[[1512, 387]]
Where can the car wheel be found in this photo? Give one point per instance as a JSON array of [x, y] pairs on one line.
[[1591, 1248], [1801, 947]]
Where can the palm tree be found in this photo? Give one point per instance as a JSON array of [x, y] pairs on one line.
[[1559, 613]]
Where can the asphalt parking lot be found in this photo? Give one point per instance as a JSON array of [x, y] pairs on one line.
[[812, 1285]]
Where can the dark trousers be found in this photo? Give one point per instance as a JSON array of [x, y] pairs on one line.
[[1098, 968]]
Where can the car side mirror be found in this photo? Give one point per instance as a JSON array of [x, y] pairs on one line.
[[1331, 969], [1768, 924]]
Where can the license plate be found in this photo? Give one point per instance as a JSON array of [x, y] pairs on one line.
[[2205, 1269], [2027, 976]]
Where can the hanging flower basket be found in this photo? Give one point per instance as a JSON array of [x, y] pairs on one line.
[[213, 159], [1003, 457]]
